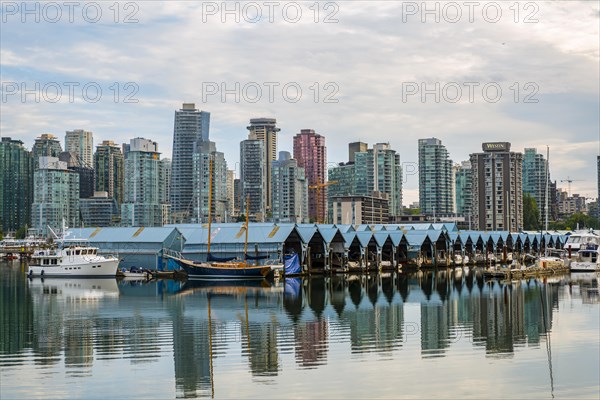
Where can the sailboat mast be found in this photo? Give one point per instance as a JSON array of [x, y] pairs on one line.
[[210, 179], [246, 229], [547, 181]]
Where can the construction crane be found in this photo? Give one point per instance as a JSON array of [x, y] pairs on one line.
[[569, 180], [318, 188]]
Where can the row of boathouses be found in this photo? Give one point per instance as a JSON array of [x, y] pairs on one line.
[[321, 247]]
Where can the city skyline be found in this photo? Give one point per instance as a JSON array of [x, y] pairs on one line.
[[368, 54]]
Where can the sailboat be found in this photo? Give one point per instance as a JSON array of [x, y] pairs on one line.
[[548, 261], [223, 268]]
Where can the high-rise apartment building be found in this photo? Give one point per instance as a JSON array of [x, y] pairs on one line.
[[55, 196], [204, 153], [379, 170], [311, 154], [16, 185], [110, 168], [358, 209], [436, 196], [463, 190], [143, 187], [290, 190], [82, 143], [497, 188], [356, 147], [46, 145], [253, 179], [536, 179], [166, 171], [99, 210], [230, 189], [86, 173], [191, 126], [265, 129], [374, 170]]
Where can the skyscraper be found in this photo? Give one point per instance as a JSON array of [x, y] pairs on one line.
[[55, 196], [99, 210], [435, 178], [204, 152], [356, 147], [534, 178], [85, 171], [191, 125], [16, 185], [497, 188], [165, 168], [109, 166], [230, 187], [82, 143], [463, 190], [253, 178], [379, 170], [265, 129], [290, 190], [143, 187], [375, 170], [311, 154], [46, 145]]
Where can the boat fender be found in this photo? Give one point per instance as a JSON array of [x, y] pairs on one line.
[[42, 273]]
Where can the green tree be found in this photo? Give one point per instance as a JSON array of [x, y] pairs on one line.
[[531, 213], [21, 233], [240, 218]]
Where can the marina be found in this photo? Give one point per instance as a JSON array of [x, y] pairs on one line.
[[349, 335]]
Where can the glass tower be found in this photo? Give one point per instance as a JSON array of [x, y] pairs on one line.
[[191, 126], [55, 196], [290, 190], [143, 187], [435, 178], [16, 185], [109, 166]]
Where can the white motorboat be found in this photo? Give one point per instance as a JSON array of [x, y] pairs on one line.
[[587, 259], [135, 273], [72, 260], [580, 239]]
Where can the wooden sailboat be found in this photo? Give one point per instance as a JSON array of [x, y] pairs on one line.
[[215, 268]]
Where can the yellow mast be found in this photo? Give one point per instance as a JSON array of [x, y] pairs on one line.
[[210, 179]]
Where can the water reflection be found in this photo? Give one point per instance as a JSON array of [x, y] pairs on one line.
[[256, 325]]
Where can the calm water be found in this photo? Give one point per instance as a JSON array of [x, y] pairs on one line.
[[432, 335]]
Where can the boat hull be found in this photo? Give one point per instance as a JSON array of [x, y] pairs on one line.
[[579, 266], [99, 268], [220, 271]]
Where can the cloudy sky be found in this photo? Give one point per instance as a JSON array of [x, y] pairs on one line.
[[524, 72]]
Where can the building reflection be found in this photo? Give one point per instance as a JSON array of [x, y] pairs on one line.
[[79, 322]]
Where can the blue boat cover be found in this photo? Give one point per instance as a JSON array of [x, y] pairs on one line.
[[292, 287], [291, 264], [210, 257]]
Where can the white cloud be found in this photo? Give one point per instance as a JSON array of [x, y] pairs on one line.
[[369, 53]]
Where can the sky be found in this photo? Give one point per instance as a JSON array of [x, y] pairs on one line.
[[374, 71]]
